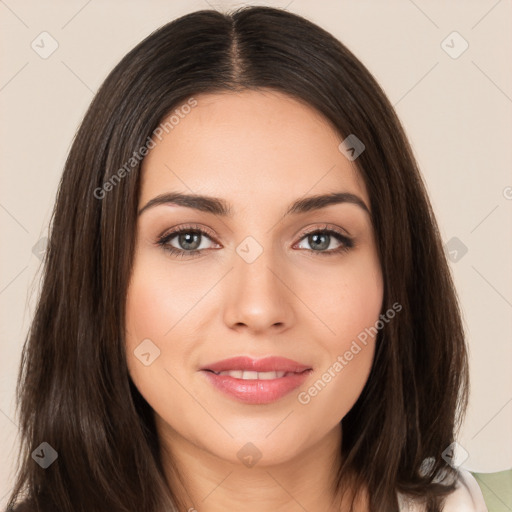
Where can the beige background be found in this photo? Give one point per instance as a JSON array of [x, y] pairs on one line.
[[456, 111]]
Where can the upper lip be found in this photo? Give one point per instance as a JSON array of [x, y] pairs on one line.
[[266, 364]]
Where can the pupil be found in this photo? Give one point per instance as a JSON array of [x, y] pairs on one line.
[[186, 240], [320, 245]]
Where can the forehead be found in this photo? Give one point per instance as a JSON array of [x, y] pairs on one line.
[[232, 145]]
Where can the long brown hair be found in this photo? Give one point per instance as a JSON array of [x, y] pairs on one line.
[[74, 391]]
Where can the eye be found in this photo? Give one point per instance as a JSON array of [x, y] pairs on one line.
[[188, 238], [188, 241], [321, 239]]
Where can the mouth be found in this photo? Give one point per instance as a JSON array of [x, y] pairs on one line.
[[254, 381], [252, 375]]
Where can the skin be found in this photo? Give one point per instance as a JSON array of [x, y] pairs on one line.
[[259, 151]]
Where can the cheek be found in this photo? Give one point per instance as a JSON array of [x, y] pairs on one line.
[[147, 310], [159, 301], [349, 306], [153, 314], [152, 311], [347, 300]]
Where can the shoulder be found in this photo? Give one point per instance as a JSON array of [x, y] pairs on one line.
[[467, 497]]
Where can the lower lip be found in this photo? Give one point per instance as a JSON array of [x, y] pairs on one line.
[[257, 391]]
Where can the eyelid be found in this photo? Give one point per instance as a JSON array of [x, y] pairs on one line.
[[188, 227], [326, 227]]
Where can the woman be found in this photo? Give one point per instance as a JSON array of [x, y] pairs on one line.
[[246, 301]]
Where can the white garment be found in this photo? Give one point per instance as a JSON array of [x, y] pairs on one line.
[[467, 497]]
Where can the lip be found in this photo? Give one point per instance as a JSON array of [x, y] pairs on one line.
[[266, 364], [257, 391]]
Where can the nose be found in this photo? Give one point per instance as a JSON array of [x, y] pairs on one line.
[[258, 297]]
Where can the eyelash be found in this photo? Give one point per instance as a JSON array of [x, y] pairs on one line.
[[163, 241]]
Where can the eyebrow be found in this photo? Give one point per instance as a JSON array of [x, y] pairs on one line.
[[221, 208]]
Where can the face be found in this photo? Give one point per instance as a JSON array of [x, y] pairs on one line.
[[257, 280]]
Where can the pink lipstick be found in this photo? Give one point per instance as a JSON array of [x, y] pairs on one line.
[[256, 381]]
